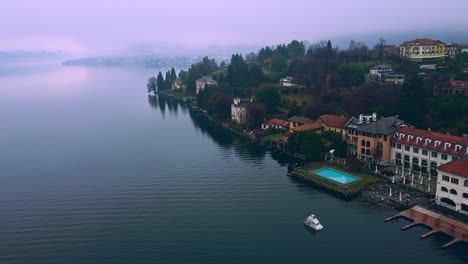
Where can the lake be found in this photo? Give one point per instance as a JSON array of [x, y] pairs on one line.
[[95, 171]]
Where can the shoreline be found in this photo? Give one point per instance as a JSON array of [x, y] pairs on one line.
[[377, 193]]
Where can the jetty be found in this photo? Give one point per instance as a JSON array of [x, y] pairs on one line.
[[438, 223]]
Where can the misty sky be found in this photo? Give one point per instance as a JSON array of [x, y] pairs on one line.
[[87, 26]]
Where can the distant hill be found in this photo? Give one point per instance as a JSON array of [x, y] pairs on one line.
[[8, 57], [140, 61]]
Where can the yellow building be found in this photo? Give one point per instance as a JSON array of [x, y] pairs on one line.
[[424, 50]]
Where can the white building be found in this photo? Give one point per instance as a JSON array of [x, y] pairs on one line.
[[239, 110], [287, 82], [418, 153], [452, 185], [393, 78], [376, 72]]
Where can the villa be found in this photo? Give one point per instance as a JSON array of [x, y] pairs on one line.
[[452, 185]]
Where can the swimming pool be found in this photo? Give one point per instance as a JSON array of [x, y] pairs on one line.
[[335, 175]]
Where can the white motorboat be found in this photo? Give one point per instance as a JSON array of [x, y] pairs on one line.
[[313, 223]]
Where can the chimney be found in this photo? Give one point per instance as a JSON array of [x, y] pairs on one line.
[[361, 118], [429, 130], [374, 116]]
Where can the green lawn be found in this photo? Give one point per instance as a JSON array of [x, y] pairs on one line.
[[299, 98], [272, 136], [364, 179]]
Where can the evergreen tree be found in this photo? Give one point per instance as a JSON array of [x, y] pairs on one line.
[[167, 80], [160, 82], [173, 75], [270, 97]]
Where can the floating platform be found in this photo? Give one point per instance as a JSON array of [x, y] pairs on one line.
[[438, 223]]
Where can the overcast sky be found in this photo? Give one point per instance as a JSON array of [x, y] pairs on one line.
[[88, 26]]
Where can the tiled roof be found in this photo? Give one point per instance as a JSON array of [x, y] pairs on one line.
[[300, 119], [457, 167], [334, 121], [421, 42], [310, 126], [277, 122], [455, 84], [456, 146]]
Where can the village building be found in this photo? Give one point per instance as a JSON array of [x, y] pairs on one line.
[[203, 82], [287, 82], [418, 153], [239, 110], [451, 49], [316, 126], [369, 138], [275, 123], [334, 123], [452, 88], [463, 48], [296, 121], [384, 74], [393, 78], [178, 84], [452, 185], [423, 50]]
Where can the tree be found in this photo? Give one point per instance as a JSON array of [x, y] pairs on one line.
[[167, 80], [307, 143], [270, 97], [295, 50], [160, 82], [173, 75], [380, 48], [238, 72], [221, 105], [151, 85], [255, 115]]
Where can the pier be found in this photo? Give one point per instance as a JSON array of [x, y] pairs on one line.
[[438, 223]]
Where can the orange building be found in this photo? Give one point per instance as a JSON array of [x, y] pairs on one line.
[[369, 138]]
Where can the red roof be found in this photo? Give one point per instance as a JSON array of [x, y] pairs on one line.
[[457, 167], [455, 84], [277, 122], [422, 42], [334, 121], [311, 126], [456, 146]]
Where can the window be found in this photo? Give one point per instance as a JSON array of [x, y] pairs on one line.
[[407, 148], [425, 152], [367, 152], [465, 195], [445, 178], [368, 144], [454, 181], [434, 154], [398, 146], [385, 138], [444, 156], [363, 142], [444, 189], [393, 145], [466, 183], [415, 150], [452, 191], [363, 151]]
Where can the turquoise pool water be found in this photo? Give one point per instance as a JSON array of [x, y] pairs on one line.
[[335, 175]]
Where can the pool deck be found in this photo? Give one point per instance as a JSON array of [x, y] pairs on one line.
[[438, 223], [343, 190]]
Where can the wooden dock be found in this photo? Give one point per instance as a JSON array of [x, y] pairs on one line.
[[438, 223]]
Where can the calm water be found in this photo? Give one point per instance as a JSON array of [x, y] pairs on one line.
[[94, 171]]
